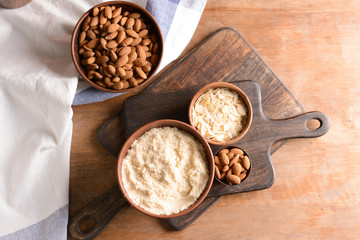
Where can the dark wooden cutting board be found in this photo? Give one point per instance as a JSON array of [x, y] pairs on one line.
[[223, 56], [263, 132]]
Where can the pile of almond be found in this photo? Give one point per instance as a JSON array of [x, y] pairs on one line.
[[232, 165], [116, 48]]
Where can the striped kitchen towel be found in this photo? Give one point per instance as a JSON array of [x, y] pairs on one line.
[[38, 85]]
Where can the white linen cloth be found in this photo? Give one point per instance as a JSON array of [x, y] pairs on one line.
[[38, 83]]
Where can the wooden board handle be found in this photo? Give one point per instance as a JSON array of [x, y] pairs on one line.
[[101, 211], [297, 127]]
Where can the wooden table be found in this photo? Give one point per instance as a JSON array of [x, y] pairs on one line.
[[313, 47]]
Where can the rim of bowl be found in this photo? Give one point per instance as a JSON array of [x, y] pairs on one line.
[[74, 44], [249, 171], [243, 96], [167, 123]]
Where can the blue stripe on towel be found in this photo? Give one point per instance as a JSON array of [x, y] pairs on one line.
[[52, 227], [157, 9]]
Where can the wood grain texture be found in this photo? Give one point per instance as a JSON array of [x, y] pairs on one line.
[[313, 48]]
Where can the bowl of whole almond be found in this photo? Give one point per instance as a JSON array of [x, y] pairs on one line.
[[117, 46]]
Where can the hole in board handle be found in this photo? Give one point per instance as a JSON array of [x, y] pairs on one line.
[[86, 224], [313, 124]]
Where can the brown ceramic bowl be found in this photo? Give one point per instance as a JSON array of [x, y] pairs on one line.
[[179, 125], [152, 25], [243, 96], [223, 181]]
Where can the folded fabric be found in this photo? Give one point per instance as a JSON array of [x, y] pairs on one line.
[[38, 83]]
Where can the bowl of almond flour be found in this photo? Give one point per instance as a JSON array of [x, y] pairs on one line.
[[165, 169]]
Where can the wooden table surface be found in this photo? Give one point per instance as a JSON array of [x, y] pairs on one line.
[[314, 48]]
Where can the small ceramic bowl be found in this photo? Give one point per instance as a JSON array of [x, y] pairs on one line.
[[167, 123], [152, 25], [224, 181], [243, 96]]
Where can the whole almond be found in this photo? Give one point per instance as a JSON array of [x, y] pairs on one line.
[[120, 71], [129, 74], [140, 80], [130, 23], [88, 54], [146, 68], [102, 18], [98, 76], [140, 72], [139, 62], [122, 61], [90, 34], [148, 54], [128, 66], [233, 179], [143, 33], [132, 57], [95, 11], [113, 55], [123, 21], [94, 21], [124, 51], [90, 74], [82, 37], [222, 175], [154, 59], [127, 41], [230, 155], [111, 35], [132, 33], [101, 84], [116, 12], [225, 168], [234, 160], [134, 15], [140, 52], [225, 150], [237, 151], [236, 169], [106, 71], [116, 79], [217, 172], [118, 85], [224, 160], [112, 27], [117, 19], [93, 43], [246, 162], [92, 66], [108, 12], [137, 25], [112, 44], [126, 84], [242, 176], [146, 41], [108, 82], [132, 81], [155, 48], [102, 59], [90, 60], [112, 70], [121, 36], [135, 42]]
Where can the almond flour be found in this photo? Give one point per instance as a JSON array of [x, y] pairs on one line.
[[165, 171]]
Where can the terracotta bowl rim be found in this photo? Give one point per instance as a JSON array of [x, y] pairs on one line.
[[171, 123], [76, 32], [243, 96]]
